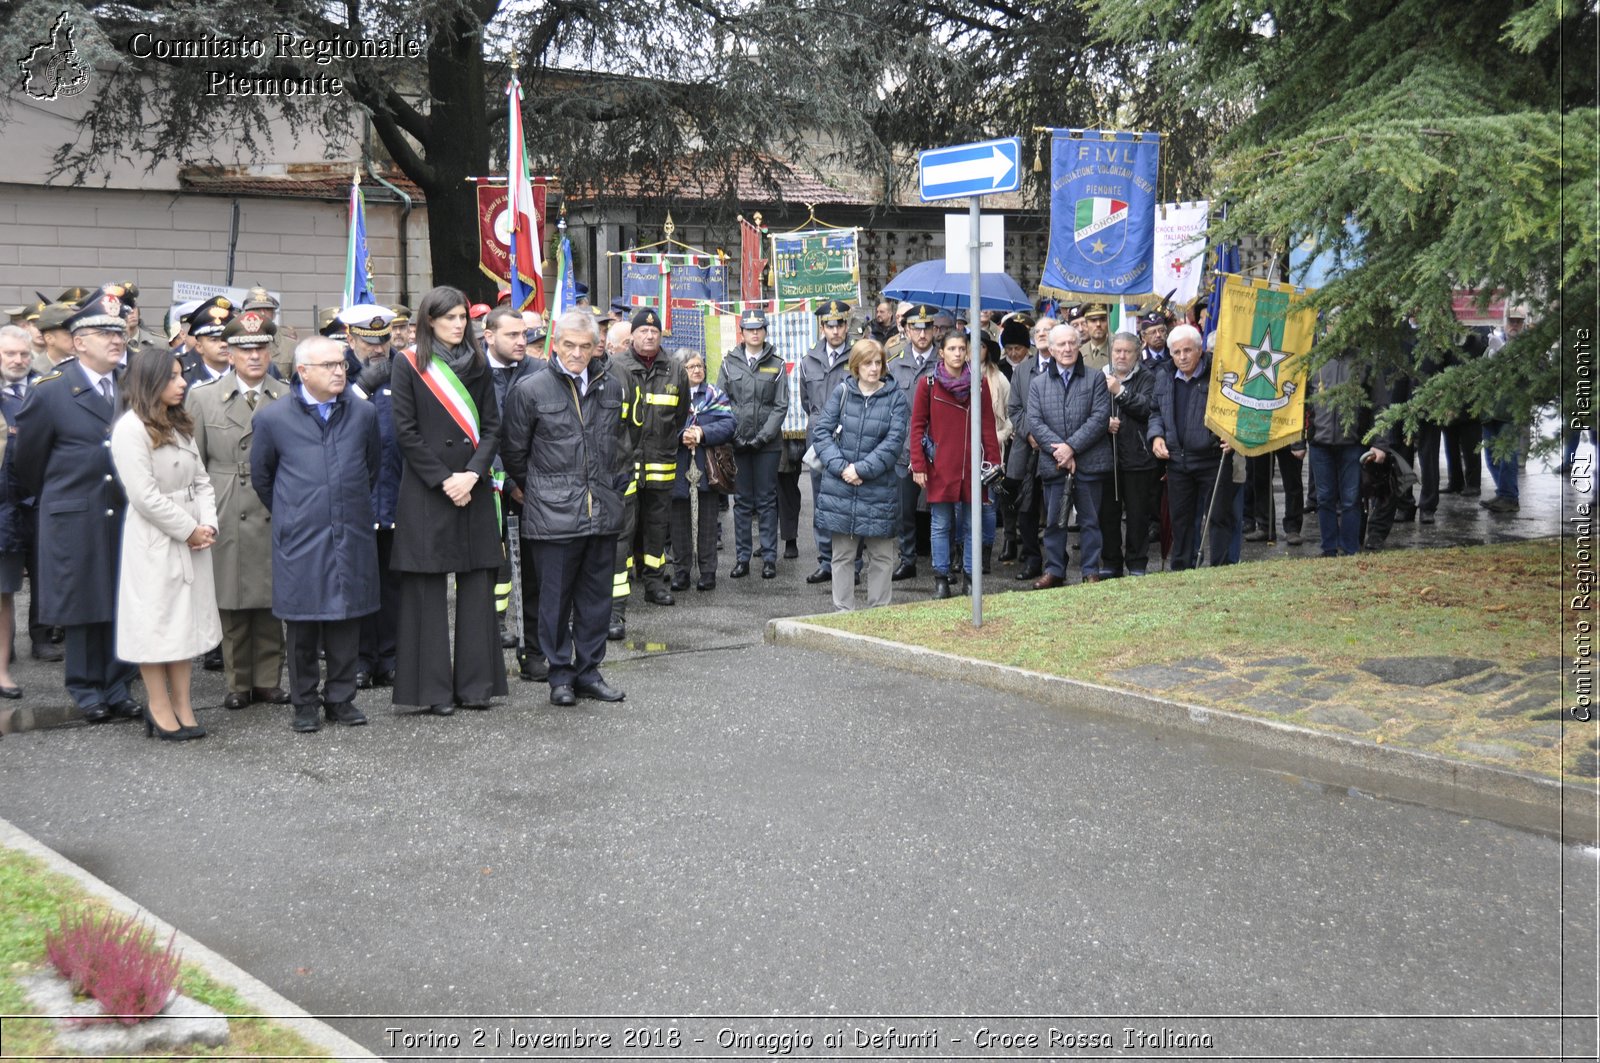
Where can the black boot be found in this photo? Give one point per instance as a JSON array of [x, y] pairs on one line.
[[966, 584], [941, 586], [988, 558], [619, 621], [1008, 551]]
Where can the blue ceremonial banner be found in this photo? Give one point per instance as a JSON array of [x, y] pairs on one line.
[[1102, 212]]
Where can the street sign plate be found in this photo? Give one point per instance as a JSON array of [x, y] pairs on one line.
[[979, 169]]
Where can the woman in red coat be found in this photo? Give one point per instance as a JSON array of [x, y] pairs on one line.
[[941, 437]]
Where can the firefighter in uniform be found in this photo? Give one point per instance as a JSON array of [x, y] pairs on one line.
[[656, 407]]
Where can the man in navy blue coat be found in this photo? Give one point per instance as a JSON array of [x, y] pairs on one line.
[[314, 463], [64, 460]]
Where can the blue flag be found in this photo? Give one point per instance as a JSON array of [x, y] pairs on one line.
[[566, 283], [1102, 211], [357, 265]]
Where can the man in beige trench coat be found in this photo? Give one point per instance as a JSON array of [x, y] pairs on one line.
[[252, 638]]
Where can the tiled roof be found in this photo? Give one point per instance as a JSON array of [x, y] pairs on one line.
[[296, 183]]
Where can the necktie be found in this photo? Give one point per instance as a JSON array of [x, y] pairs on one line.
[[16, 391], [250, 397], [105, 390]]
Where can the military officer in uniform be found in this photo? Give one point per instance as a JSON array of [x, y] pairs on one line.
[[822, 369], [656, 390], [261, 301], [380, 631], [1093, 323], [915, 362], [206, 323], [223, 411], [64, 459], [51, 321], [402, 333], [1153, 328]]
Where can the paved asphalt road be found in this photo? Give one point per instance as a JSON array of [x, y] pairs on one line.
[[763, 830]]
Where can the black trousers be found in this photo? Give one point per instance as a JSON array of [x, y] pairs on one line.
[[1129, 499], [1461, 454], [1259, 471], [700, 555], [341, 639], [756, 482], [94, 674], [789, 503], [1429, 438], [426, 674], [574, 605], [380, 631], [1189, 495], [530, 601], [38, 634], [1030, 513]]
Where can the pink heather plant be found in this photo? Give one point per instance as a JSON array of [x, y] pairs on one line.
[[116, 961]]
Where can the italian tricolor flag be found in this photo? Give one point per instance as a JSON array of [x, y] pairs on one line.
[[1097, 213]]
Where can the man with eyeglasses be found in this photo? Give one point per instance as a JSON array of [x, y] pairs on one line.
[[314, 464], [913, 365], [64, 459]]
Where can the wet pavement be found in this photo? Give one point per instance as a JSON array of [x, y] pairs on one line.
[[764, 830]]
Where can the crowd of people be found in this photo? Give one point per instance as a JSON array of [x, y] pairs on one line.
[[232, 492]]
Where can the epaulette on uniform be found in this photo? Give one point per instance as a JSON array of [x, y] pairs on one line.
[[204, 383], [54, 374]]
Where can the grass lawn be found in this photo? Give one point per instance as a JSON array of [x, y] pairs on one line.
[[33, 899], [1240, 630]]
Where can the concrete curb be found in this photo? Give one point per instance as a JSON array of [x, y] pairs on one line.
[[1571, 811], [255, 993]]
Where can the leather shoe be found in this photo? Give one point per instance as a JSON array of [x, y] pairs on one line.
[[599, 690], [791, 549], [442, 710], [535, 669], [823, 574], [1048, 581], [1030, 570], [741, 569], [344, 712], [1294, 538], [270, 695], [769, 570], [1424, 517], [617, 631], [680, 582], [10, 693], [1256, 535], [306, 719], [562, 695], [659, 596], [384, 678], [46, 651], [1093, 577], [508, 640], [96, 714], [706, 583], [905, 570], [128, 709], [476, 706], [213, 660], [235, 700], [363, 680]]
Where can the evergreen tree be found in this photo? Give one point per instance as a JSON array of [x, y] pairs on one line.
[[1433, 146]]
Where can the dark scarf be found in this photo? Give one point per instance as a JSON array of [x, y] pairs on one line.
[[959, 386], [459, 358]]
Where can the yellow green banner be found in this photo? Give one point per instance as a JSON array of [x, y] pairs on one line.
[[1258, 370]]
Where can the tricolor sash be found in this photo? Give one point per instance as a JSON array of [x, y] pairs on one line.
[[451, 393]]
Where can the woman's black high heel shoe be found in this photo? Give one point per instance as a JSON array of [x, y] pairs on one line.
[[177, 734], [197, 731]]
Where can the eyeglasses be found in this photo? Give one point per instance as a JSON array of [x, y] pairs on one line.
[[332, 367]]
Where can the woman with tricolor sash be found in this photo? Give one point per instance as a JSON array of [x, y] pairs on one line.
[[448, 426]]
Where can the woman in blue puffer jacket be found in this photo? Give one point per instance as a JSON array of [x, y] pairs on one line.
[[858, 437]]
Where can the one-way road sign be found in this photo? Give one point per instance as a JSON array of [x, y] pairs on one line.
[[970, 169]]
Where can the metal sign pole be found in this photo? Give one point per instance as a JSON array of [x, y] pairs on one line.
[[975, 416]]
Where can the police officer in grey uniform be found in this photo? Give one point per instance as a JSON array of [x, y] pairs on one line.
[[822, 369]]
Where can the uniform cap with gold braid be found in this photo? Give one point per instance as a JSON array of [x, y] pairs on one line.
[[101, 310], [833, 310], [14, 311], [258, 298], [127, 291], [249, 329], [211, 316], [367, 322], [75, 296], [921, 314], [328, 321], [402, 315], [32, 311], [1096, 310]]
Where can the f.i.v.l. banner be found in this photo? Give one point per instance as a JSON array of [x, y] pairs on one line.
[[1102, 211]]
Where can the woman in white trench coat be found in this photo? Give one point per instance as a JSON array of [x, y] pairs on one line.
[[166, 599]]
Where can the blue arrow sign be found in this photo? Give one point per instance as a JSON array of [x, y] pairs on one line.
[[970, 169]]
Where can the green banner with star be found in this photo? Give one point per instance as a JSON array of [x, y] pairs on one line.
[[1258, 370]]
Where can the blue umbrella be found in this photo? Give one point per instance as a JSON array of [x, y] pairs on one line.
[[927, 282]]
